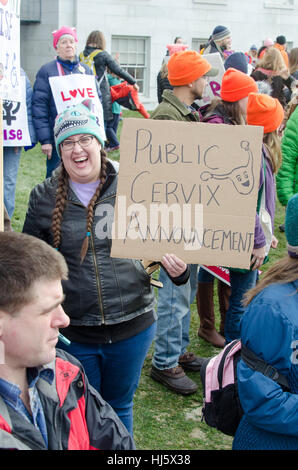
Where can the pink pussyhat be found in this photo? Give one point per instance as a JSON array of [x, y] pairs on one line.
[[268, 42], [60, 32], [172, 48]]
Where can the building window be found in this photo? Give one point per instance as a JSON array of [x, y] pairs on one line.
[[285, 4], [31, 11], [211, 2], [133, 55], [198, 43]]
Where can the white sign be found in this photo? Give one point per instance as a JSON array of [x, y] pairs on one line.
[[213, 86], [10, 88], [15, 121], [69, 90]]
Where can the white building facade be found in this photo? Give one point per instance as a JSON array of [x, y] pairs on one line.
[[139, 30]]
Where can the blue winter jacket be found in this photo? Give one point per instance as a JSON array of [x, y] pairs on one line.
[[270, 329], [43, 106], [29, 94]]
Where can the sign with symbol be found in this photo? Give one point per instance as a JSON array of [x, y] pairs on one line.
[[15, 121]]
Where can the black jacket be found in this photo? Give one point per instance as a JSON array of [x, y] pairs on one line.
[[162, 84], [101, 290], [102, 61]]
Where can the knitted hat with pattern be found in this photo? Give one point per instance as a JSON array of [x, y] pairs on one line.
[[220, 32], [78, 119], [236, 85], [263, 110]]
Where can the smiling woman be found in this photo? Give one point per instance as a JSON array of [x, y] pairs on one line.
[[81, 158], [110, 301]]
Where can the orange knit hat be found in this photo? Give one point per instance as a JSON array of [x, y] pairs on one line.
[[236, 85], [187, 66], [263, 110]]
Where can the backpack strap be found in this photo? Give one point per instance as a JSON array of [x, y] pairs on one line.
[[259, 365]]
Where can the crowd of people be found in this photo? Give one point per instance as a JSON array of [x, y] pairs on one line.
[[80, 395]]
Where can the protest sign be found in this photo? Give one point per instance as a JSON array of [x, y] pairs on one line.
[[69, 90], [9, 70], [223, 274], [189, 189], [10, 88], [15, 120], [212, 89]]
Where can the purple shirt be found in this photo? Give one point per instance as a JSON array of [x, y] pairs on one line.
[[84, 191]]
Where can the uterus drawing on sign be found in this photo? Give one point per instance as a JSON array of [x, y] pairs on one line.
[[242, 176]]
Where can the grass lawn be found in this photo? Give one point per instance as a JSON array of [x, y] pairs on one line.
[[163, 420]]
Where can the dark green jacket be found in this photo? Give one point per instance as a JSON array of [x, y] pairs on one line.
[[287, 177], [172, 109]]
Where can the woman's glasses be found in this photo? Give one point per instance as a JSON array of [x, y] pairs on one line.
[[85, 141]]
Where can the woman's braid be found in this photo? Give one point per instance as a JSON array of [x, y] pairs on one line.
[[61, 198], [90, 211]]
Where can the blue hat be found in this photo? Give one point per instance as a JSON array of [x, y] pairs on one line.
[[220, 32], [291, 226], [78, 119], [238, 61], [253, 48]]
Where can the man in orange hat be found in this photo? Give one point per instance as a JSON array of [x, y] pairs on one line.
[[187, 72]]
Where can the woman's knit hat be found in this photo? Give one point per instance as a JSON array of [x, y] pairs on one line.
[[61, 32], [281, 40], [236, 85], [268, 42], [172, 48], [187, 66], [291, 226], [238, 61], [263, 110], [220, 32], [78, 119]]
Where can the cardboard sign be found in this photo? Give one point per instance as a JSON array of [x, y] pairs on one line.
[[189, 189], [69, 90], [213, 86], [10, 87], [15, 121]]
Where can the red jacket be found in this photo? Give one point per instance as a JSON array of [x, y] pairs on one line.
[[77, 418]]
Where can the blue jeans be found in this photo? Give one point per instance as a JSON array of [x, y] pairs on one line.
[[114, 369], [11, 162], [53, 163], [111, 130], [240, 284], [173, 319]]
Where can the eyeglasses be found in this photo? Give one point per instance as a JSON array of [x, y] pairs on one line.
[[83, 142]]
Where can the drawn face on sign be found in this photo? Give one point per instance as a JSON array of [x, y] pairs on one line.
[[242, 177]]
